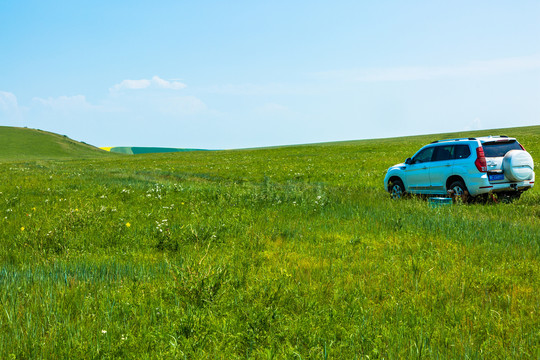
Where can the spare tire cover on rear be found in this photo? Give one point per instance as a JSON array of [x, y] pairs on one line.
[[518, 165]]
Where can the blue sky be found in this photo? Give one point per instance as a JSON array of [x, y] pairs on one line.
[[234, 74]]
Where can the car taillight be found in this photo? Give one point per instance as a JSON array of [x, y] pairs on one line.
[[480, 161], [522, 148]]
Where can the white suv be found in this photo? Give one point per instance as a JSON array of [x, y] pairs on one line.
[[473, 166]]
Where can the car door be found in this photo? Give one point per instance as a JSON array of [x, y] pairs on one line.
[[462, 161], [441, 168], [417, 172]]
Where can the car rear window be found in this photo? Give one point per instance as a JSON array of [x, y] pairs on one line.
[[499, 148]]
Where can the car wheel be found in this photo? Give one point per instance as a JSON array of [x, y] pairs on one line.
[[459, 191], [396, 189], [518, 165]]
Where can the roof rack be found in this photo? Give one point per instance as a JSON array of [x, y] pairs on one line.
[[436, 141], [495, 136]]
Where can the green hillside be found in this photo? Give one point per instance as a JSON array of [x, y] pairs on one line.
[[25, 144], [135, 150], [293, 252]]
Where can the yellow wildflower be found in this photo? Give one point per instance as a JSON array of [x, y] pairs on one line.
[[22, 228], [128, 224]]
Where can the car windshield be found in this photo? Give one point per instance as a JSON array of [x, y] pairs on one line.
[[500, 148]]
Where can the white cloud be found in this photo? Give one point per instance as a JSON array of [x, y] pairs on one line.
[[138, 104], [11, 113], [407, 73], [65, 103], [164, 84], [132, 85], [155, 82], [8, 102]]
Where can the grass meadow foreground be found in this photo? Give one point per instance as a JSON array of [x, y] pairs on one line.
[[293, 252]]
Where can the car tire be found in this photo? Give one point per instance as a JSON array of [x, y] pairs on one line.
[[396, 189], [459, 191], [518, 165]]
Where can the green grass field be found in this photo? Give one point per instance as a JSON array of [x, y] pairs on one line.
[[30, 144], [133, 150], [292, 252]]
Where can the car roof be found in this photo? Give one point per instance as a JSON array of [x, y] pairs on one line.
[[482, 139], [490, 138]]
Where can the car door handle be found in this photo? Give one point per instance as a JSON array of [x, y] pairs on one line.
[[447, 165]]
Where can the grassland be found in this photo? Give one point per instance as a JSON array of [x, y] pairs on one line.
[[31, 144], [133, 150], [293, 252]]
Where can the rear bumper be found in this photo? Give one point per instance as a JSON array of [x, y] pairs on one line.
[[481, 185]]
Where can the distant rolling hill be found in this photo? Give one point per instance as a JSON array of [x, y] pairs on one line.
[[31, 144], [145, 150]]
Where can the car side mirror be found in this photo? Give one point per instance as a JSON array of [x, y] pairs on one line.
[[408, 161]]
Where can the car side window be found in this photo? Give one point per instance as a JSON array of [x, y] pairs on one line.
[[444, 153], [423, 156], [462, 151]]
